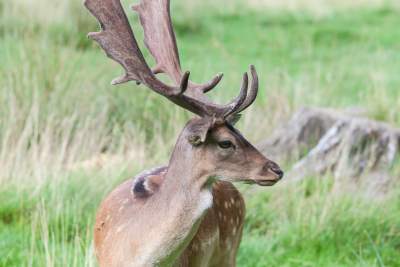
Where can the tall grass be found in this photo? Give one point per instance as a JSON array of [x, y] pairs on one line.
[[67, 137]]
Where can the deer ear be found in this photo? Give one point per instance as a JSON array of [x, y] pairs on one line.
[[195, 140], [199, 131], [232, 120]]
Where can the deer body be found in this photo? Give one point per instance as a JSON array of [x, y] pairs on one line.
[[171, 236], [214, 243], [187, 214]]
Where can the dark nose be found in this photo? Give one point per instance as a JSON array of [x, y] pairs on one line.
[[273, 167], [278, 172]]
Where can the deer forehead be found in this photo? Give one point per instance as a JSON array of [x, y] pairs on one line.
[[222, 132]]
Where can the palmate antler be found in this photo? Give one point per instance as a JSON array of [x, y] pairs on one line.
[[119, 43]]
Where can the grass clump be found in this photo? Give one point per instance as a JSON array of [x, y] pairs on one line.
[[325, 228]]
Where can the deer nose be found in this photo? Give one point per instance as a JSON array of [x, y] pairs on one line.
[[273, 167], [278, 172]]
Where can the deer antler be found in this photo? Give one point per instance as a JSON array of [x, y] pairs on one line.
[[253, 91], [118, 41], [155, 17]]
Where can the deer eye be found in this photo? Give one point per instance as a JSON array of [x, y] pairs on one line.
[[225, 144]]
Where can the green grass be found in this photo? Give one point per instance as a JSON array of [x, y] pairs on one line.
[[308, 225], [60, 120]]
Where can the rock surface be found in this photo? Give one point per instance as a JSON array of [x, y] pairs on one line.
[[341, 144]]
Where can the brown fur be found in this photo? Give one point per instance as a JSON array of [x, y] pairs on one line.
[[185, 217], [216, 241], [224, 221]]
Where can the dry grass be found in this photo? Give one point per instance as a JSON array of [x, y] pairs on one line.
[[320, 7], [67, 137]]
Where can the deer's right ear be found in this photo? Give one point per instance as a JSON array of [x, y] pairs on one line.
[[198, 132], [233, 119]]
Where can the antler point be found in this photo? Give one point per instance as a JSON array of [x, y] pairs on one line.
[[94, 35], [120, 80], [184, 82]]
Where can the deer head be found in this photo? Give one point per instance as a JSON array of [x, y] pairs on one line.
[[222, 152], [216, 147]]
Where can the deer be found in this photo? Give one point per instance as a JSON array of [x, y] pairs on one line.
[[187, 213]]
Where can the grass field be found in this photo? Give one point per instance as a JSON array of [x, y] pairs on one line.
[[67, 137]]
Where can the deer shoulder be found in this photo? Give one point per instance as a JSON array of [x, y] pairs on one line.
[[220, 231], [216, 240]]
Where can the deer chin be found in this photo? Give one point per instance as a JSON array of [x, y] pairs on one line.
[[261, 182], [266, 182]]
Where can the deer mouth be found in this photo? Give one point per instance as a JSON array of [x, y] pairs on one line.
[[266, 182], [261, 182]]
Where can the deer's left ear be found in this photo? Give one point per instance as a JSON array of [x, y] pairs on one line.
[[199, 131]]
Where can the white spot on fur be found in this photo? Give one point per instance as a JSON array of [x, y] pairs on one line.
[[119, 229], [146, 184], [234, 230], [232, 201], [226, 204]]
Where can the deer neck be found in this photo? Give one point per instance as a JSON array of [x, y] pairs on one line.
[[185, 174], [180, 202]]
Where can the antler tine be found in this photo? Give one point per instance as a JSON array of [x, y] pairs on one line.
[[184, 82], [251, 97], [239, 100], [211, 84]]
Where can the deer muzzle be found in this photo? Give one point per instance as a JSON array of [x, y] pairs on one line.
[[270, 174]]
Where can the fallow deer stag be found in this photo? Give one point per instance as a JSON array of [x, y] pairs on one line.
[[188, 213]]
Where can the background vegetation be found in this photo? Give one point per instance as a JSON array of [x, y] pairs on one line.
[[67, 137]]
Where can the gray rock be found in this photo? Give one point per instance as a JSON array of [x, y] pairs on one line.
[[343, 145]]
